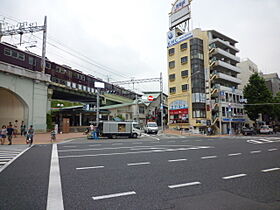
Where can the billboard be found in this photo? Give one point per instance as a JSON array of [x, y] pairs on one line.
[[180, 13], [173, 40]]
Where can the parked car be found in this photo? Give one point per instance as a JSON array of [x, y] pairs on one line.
[[265, 129], [248, 131], [151, 127]]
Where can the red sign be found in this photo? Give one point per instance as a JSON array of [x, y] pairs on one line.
[[178, 111], [150, 98]]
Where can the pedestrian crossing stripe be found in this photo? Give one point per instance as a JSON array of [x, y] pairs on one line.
[[264, 140]]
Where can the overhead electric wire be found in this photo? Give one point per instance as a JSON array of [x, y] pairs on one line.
[[78, 55]]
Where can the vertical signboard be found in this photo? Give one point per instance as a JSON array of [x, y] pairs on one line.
[[180, 13]]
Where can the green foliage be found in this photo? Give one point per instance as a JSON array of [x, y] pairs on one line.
[[49, 121], [54, 103], [256, 92]]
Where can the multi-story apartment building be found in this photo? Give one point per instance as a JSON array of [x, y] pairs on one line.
[[203, 83]]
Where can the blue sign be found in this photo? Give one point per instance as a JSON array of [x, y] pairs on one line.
[[172, 40], [233, 120]]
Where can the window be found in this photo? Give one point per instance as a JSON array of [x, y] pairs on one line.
[[184, 46], [141, 110], [21, 56], [32, 61], [171, 77], [185, 87], [184, 60], [199, 114], [14, 54], [185, 73], [48, 65], [7, 51], [171, 64], [171, 51], [172, 90]]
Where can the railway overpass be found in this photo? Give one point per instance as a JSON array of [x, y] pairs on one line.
[[26, 95]]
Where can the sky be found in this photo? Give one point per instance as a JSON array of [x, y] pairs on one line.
[[125, 39]]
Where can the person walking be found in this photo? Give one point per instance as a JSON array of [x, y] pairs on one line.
[[3, 134], [15, 128], [30, 134], [22, 128], [10, 132]]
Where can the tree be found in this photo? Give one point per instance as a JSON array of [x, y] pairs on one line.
[[257, 93], [276, 107]]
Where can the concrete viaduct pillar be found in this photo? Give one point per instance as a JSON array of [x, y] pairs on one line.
[[23, 96]]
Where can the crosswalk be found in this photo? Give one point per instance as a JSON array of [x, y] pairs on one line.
[[264, 140], [10, 152]]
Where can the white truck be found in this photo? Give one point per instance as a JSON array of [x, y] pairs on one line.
[[112, 129]]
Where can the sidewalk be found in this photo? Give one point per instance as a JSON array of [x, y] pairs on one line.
[[45, 138]]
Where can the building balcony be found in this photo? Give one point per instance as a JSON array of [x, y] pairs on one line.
[[223, 44], [226, 66], [220, 54], [228, 78]]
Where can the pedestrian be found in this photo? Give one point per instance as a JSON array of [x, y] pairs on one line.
[[209, 131], [15, 128], [30, 135], [22, 129], [97, 132], [53, 135], [10, 132], [3, 134]]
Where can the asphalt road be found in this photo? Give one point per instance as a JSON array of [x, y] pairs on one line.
[[171, 173], [152, 172]]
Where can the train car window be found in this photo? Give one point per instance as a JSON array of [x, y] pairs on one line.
[[7, 52], [48, 65], [14, 54], [21, 56], [32, 61]]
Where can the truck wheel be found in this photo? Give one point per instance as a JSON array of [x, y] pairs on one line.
[[134, 135], [114, 136]]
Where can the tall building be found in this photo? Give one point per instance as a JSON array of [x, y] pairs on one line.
[[203, 83], [247, 68]]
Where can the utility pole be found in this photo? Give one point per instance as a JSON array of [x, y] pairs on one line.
[[97, 107], [25, 28], [137, 81], [43, 62], [161, 101]]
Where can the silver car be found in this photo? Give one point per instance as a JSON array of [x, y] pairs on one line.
[[151, 127]]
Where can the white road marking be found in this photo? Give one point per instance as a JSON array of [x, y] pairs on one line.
[[5, 159], [114, 148], [234, 176], [185, 140], [70, 146], [171, 141], [266, 140], [257, 151], [95, 145], [177, 160], [273, 149], [254, 142], [117, 144], [55, 199], [138, 164], [184, 185], [113, 195], [270, 169], [13, 158], [91, 167], [137, 143], [136, 152], [234, 154], [208, 157]]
